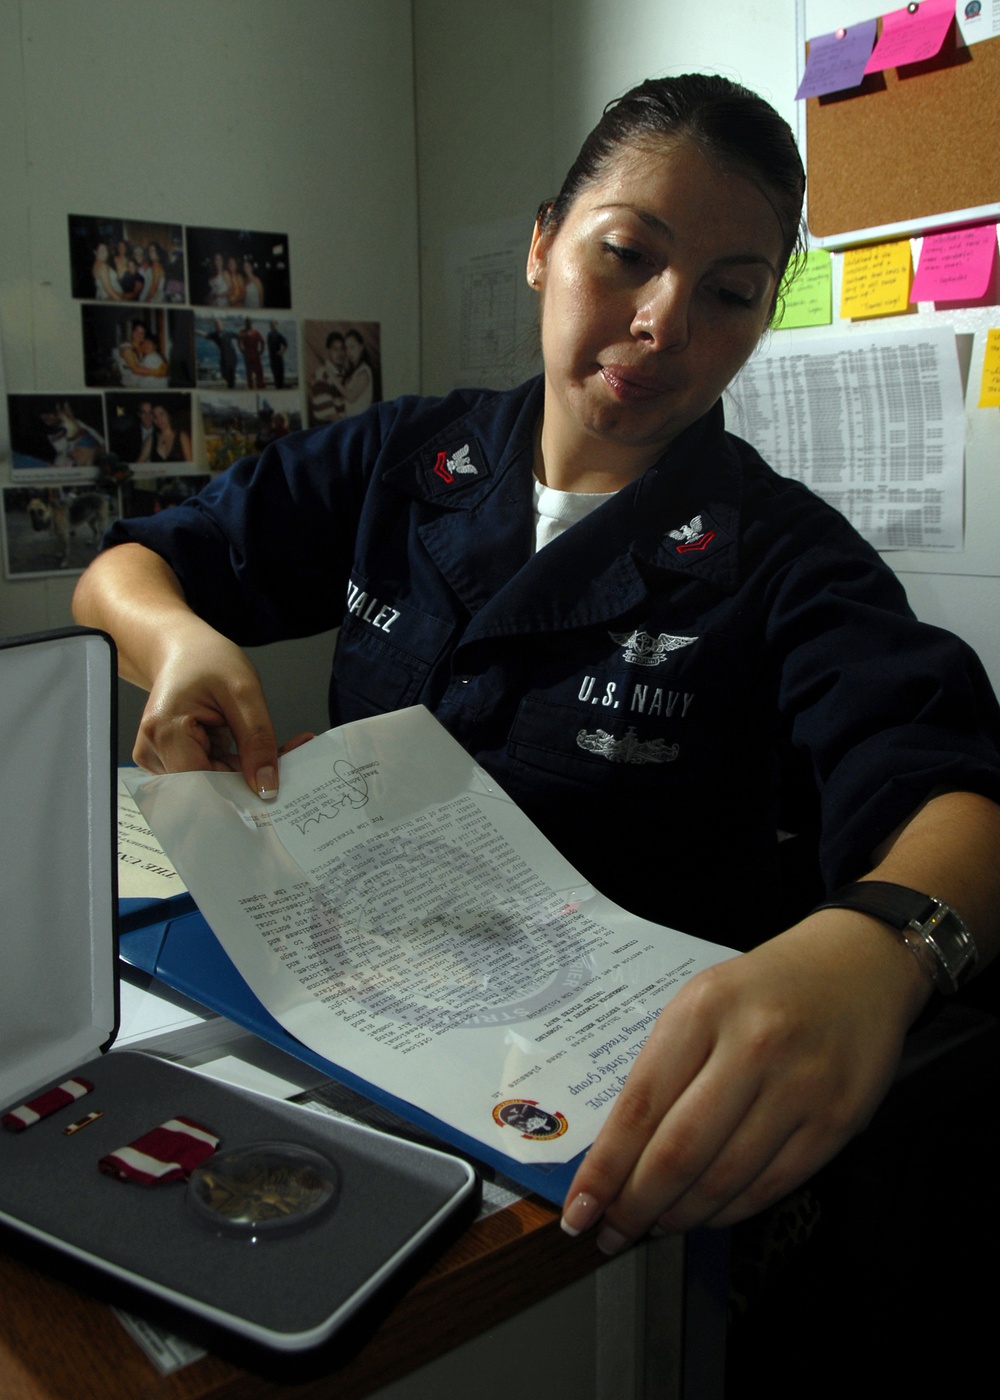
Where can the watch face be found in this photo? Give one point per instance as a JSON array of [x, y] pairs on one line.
[[950, 941]]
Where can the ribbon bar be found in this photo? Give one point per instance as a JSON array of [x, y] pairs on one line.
[[50, 1102]]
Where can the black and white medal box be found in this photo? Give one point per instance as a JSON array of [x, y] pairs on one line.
[[297, 1224]]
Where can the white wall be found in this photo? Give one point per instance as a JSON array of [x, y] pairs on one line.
[[292, 115], [600, 50], [484, 94]]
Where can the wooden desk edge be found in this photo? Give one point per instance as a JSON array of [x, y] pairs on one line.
[[58, 1342]]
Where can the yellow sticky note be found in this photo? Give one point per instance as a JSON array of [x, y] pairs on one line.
[[989, 389], [809, 299], [876, 280]]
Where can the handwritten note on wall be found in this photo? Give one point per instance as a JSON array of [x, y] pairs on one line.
[[876, 280], [955, 266], [837, 61], [911, 37], [808, 301], [989, 390]]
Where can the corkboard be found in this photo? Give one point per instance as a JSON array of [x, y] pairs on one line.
[[912, 143]]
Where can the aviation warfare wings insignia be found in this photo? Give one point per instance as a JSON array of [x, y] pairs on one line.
[[643, 649]]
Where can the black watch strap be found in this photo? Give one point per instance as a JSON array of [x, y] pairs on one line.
[[931, 928]]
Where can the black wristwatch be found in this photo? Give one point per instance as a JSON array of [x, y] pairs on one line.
[[931, 929]]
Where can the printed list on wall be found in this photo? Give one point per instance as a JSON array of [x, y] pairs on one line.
[[872, 423]]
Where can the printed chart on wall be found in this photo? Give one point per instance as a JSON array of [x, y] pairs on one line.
[[397, 913], [872, 423], [491, 311]]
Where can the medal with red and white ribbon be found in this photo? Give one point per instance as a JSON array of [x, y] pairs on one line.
[[169, 1152]]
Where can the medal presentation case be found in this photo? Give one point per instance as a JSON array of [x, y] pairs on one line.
[[288, 1230]]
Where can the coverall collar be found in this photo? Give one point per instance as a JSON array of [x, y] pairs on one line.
[[680, 516]]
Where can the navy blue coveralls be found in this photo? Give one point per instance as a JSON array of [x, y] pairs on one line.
[[711, 654]]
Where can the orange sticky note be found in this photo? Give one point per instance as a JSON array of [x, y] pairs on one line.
[[989, 389], [876, 280]]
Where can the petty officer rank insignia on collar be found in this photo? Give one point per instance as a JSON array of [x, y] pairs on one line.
[[693, 537], [458, 464]]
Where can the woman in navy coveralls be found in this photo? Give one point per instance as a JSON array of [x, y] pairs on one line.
[[651, 640]]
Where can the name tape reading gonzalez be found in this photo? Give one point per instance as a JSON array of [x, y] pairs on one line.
[[45, 1104], [167, 1153]]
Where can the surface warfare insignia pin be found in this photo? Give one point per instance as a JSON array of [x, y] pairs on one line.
[[692, 538], [529, 1120], [630, 749], [643, 649], [455, 462]]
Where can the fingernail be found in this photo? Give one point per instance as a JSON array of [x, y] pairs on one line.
[[580, 1214], [267, 783], [611, 1241]]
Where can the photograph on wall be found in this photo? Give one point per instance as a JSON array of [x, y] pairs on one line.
[[236, 269], [151, 495], [240, 425], [246, 352], [54, 529], [343, 368], [137, 348], [147, 430], [129, 260], [64, 432]]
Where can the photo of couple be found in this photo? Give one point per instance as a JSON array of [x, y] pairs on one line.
[[343, 368]]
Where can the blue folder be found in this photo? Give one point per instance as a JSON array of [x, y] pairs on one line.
[[171, 940]]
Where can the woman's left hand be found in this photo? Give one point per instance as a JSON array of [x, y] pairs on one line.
[[753, 1077]]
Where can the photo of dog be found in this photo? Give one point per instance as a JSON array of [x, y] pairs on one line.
[[54, 529], [64, 432]]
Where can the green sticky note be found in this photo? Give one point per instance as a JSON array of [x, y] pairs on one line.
[[809, 299]]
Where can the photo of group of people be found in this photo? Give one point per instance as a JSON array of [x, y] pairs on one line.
[[167, 310], [243, 352], [233, 268], [129, 260], [239, 425]]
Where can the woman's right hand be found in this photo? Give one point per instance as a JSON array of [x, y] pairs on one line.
[[206, 709]]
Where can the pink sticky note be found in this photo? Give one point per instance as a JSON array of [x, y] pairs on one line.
[[911, 38], [955, 266], [837, 61]]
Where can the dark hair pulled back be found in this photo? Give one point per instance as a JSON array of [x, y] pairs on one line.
[[731, 124]]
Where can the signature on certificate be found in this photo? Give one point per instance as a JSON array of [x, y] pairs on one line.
[[347, 788]]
